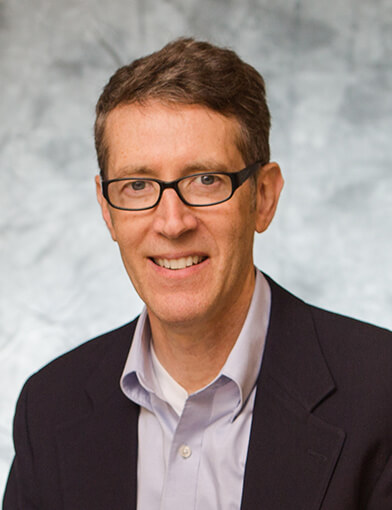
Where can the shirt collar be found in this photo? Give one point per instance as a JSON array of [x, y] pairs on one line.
[[244, 361], [242, 365], [137, 380]]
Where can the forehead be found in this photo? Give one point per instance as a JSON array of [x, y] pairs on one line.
[[164, 136]]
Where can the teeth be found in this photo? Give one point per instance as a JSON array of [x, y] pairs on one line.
[[180, 263]]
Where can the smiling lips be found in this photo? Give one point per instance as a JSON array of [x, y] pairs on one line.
[[180, 263]]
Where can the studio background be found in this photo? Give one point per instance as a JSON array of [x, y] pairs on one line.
[[328, 69]]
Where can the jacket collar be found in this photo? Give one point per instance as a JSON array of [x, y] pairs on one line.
[[293, 354], [292, 453]]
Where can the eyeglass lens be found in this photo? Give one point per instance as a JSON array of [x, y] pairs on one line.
[[198, 189]]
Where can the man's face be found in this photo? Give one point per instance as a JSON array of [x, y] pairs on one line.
[[169, 142]]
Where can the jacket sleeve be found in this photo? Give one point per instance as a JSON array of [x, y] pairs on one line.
[[21, 491]]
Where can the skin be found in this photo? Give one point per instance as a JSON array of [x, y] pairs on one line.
[[195, 313]]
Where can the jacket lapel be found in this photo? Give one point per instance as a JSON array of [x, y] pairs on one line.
[[98, 451], [292, 453]]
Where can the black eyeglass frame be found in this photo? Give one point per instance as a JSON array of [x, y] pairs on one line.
[[237, 179]]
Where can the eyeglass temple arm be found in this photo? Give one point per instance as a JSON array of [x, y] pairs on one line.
[[240, 177]]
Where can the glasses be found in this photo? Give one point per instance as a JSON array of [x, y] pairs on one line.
[[196, 190]]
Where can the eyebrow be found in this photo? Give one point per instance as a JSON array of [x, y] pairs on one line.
[[130, 171], [145, 171]]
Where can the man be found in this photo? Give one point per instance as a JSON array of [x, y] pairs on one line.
[[227, 392]]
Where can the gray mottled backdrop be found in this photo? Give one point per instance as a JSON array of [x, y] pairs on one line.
[[328, 69]]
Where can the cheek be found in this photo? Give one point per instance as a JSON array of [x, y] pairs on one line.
[[233, 230], [128, 228], [244, 219], [237, 240], [127, 239]]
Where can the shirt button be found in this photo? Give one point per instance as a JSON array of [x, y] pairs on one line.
[[185, 451]]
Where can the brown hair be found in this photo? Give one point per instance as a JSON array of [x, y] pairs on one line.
[[192, 72]]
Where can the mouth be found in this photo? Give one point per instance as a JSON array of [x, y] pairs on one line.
[[180, 263]]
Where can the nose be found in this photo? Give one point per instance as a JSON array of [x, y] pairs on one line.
[[173, 218]]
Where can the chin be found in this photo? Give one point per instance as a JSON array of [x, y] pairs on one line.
[[178, 310]]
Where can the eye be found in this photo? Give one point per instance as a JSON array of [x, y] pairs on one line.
[[208, 179], [138, 185]]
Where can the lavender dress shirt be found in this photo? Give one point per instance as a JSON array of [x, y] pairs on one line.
[[192, 453]]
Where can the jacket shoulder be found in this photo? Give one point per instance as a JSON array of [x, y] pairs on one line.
[[58, 387], [331, 323], [357, 353], [84, 357], [359, 358], [353, 334]]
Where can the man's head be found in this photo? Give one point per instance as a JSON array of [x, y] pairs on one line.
[[189, 72], [156, 125]]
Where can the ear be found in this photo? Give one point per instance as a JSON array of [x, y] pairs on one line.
[[269, 185], [104, 207]]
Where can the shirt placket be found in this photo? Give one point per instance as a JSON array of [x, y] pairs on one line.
[[181, 480]]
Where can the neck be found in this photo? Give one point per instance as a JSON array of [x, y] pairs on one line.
[[194, 354]]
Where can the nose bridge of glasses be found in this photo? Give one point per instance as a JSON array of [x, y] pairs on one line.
[[164, 185]]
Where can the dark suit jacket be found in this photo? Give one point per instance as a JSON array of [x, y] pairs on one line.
[[321, 433]]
